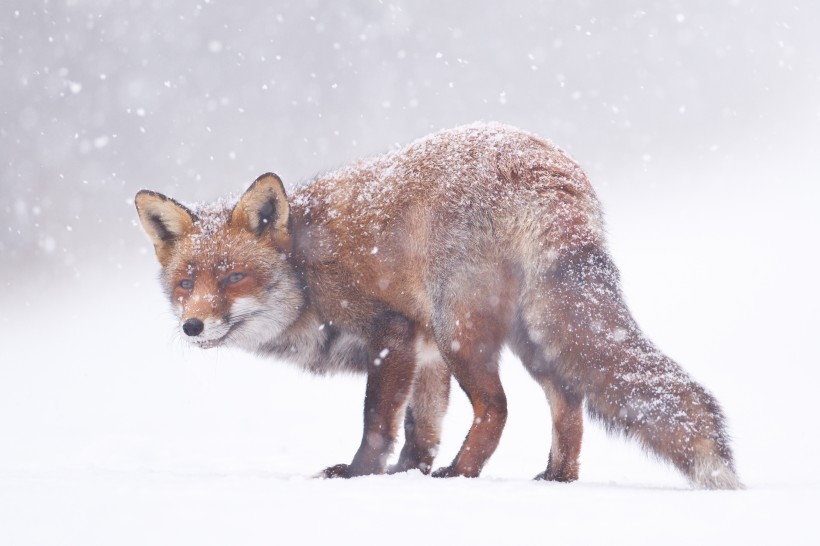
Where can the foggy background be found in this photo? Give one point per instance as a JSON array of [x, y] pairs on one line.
[[698, 123], [195, 99]]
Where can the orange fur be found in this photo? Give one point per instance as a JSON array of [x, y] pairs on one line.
[[425, 262]]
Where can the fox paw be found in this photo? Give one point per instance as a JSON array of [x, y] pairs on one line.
[[446, 472], [405, 466], [550, 476], [336, 471]]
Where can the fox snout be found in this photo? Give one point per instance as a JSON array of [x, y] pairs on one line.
[[205, 332], [193, 327]]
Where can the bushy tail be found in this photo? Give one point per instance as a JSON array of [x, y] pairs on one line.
[[650, 398], [630, 386]]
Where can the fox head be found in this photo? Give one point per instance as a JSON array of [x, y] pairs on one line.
[[225, 268]]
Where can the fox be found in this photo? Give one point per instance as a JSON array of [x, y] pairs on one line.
[[421, 265]]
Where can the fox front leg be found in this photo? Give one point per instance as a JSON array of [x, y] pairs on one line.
[[389, 381], [425, 410]]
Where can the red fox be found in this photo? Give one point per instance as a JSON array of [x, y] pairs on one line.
[[425, 262]]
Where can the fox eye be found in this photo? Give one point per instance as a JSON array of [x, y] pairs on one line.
[[234, 278], [186, 284]]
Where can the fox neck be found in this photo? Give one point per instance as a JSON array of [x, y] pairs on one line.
[[319, 346]]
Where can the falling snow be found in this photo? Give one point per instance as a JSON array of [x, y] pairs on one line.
[[698, 124]]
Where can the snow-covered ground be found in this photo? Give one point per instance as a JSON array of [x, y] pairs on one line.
[[113, 432], [698, 122]]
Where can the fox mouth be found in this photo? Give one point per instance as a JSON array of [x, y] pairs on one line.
[[209, 343], [215, 342]]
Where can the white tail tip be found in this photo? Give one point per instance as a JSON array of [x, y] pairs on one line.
[[714, 473]]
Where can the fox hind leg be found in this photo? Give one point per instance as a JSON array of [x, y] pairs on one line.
[[566, 407], [483, 387], [472, 351]]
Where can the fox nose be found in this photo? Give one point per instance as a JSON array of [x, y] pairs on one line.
[[193, 327]]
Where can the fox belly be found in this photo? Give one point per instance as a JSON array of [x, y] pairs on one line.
[[421, 264]]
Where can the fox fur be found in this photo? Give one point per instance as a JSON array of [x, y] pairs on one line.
[[426, 262]]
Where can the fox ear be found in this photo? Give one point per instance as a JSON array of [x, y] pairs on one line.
[[163, 219], [264, 207]]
